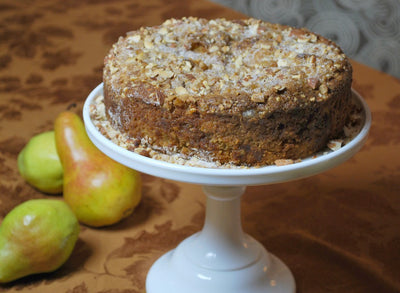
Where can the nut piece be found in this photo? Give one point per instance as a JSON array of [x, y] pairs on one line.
[[323, 89], [213, 49], [135, 38], [187, 66], [225, 49], [282, 63], [165, 73], [283, 162], [163, 31], [258, 98], [180, 90], [313, 82], [238, 61], [148, 44], [334, 145]]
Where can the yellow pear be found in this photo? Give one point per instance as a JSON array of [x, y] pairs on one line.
[[99, 190], [39, 165], [37, 236]]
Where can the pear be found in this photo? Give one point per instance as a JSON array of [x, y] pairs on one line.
[[39, 165], [37, 236], [99, 190]]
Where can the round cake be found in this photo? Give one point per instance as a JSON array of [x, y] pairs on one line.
[[243, 92]]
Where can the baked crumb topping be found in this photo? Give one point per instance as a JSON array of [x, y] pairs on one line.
[[193, 58]]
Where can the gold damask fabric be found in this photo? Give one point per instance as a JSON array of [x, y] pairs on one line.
[[338, 231]]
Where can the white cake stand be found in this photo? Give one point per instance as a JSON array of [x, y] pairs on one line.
[[221, 258]]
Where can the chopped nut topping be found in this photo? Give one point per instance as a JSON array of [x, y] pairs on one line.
[[312, 59], [225, 49], [313, 38], [163, 31], [213, 49], [284, 162], [136, 38], [148, 44], [180, 90], [282, 63], [258, 98], [313, 82], [334, 145], [279, 88], [238, 61], [323, 89], [249, 55], [165, 73]]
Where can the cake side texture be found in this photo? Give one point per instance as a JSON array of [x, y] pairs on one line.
[[245, 92]]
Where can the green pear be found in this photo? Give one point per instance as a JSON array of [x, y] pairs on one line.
[[39, 165], [37, 236], [99, 190]]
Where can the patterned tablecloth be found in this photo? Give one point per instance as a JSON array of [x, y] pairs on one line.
[[338, 231]]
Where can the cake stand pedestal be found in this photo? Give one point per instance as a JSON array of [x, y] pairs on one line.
[[221, 258]]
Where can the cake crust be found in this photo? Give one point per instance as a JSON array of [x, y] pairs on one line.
[[243, 92]]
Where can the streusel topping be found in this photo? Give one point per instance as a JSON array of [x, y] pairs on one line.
[[193, 58]]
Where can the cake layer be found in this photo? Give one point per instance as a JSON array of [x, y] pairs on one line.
[[243, 92]]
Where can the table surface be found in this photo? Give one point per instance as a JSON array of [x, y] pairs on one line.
[[338, 231]]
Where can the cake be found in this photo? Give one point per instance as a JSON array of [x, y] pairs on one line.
[[243, 92]]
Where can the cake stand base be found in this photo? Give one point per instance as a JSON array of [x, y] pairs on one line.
[[170, 274], [220, 258]]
